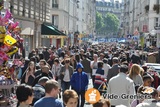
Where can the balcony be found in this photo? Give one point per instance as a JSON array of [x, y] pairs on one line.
[[54, 5]]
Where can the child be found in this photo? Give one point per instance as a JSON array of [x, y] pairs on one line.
[[79, 83], [147, 80]]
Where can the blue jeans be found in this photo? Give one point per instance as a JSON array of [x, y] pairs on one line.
[[65, 85]]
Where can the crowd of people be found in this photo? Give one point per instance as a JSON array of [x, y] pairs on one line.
[[47, 76]]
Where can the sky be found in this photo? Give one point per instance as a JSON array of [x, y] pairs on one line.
[[109, 0]]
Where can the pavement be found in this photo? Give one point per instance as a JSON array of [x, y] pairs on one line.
[[89, 86]]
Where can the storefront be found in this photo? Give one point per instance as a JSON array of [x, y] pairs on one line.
[[50, 36], [27, 33]]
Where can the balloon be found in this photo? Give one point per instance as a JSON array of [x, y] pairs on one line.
[[2, 29], [15, 36], [3, 56], [2, 37], [9, 40], [12, 51], [5, 48], [17, 29], [1, 61], [8, 14], [21, 39], [3, 21], [14, 25]]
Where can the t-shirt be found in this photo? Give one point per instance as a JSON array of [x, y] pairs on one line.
[[95, 67], [48, 102], [66, 76]]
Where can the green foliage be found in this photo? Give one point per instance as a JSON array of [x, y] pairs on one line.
[[99, 21], [109, 23]]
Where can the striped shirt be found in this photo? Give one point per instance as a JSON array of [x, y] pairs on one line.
[[99, 76]]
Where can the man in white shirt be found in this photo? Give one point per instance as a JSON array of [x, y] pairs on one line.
[[120, 86]]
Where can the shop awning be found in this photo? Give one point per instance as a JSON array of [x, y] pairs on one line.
[[49, 29]]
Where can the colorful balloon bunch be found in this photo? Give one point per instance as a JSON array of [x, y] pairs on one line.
[[10, 40]]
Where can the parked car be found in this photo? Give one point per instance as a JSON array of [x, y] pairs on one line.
[[154, 66]]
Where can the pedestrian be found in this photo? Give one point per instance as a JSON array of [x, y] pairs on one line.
[[70, 98], [65, 74], [39, 90], [45, 72], [151, 102], [106, 67], [94, 66], [134, 74], [114, 70], [42, 63], [50, 99], [29, 75], [79, 83], [24, 94], [73, 62], [86, 64], [56, 67], [99, 76], [119, 84]]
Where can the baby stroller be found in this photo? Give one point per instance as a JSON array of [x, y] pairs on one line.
[[103, 87]]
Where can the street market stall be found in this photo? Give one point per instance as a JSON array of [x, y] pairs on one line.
[[10, 44]]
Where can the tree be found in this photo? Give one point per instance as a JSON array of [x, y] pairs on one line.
[[99, 21], [111, 22]]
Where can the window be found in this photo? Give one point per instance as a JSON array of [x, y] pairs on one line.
[[54, 3], [156, 21], [55, 20]]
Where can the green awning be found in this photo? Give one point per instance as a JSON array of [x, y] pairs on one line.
[[49, 29]]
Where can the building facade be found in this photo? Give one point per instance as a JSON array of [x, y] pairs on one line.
[[142, 17], [73, 17], [30, 14], [114, 6]]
